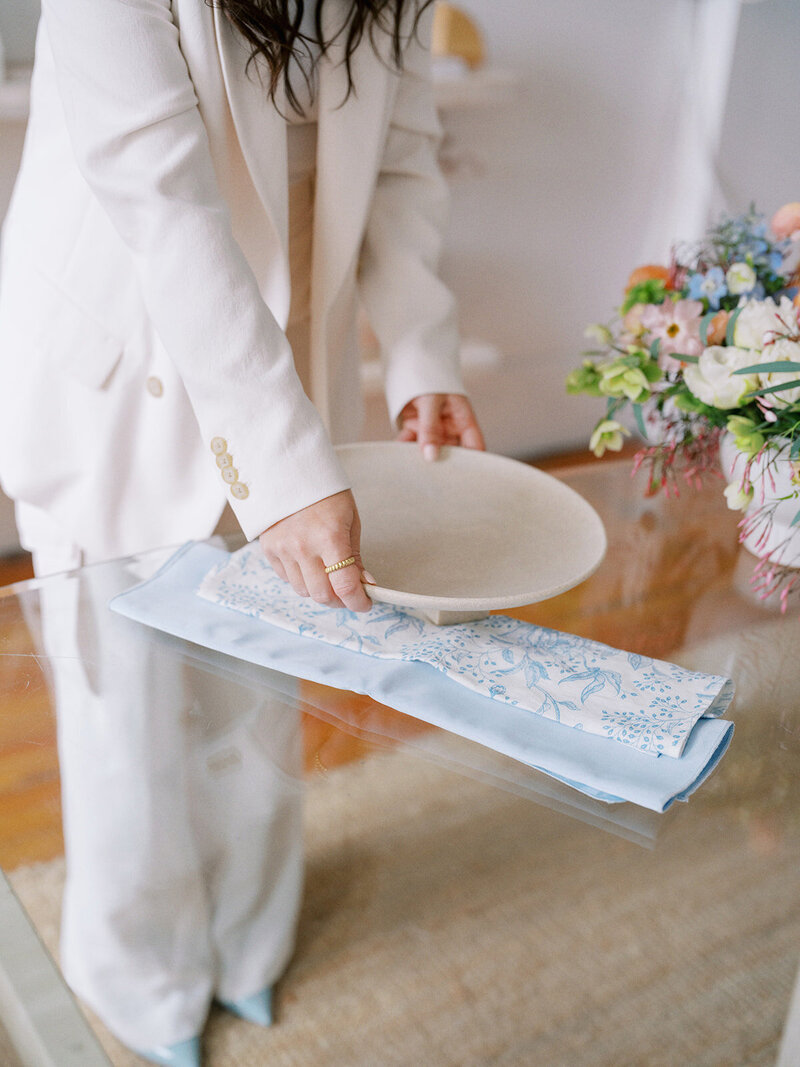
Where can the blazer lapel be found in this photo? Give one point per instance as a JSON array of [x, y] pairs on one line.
[[261, 134], [349, 142]]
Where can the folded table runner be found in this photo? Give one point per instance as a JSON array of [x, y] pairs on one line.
[[595, 766], [646, 703]]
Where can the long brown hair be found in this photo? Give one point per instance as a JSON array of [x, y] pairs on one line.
[[272, 29]]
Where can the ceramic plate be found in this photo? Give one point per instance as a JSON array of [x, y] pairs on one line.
[[469, 533]]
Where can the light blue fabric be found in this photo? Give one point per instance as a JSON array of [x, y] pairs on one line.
[[597, 766], [646, 703]]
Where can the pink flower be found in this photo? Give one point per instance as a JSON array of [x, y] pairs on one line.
[[677, 326], [632, 322], [786, 220]]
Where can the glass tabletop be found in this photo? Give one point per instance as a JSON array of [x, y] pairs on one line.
[[179, 825]]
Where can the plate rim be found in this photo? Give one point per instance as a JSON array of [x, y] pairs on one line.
[[427, 601]]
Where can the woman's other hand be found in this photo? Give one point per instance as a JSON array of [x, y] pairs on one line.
[[300, 546], [436, 419]]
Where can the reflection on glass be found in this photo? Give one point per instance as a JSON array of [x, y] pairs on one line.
[[182, 806]]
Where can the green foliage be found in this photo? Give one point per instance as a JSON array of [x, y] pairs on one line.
[[653, 291]]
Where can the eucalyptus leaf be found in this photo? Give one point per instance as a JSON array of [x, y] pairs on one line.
[[705, 322], [637, 414], [776, 367], [793, 384], [732, 326], [795, 520]]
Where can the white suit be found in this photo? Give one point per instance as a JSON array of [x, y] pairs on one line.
[[143, 299], [136, 251]]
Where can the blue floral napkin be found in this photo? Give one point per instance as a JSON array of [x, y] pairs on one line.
[[638, 701], [596, 765]]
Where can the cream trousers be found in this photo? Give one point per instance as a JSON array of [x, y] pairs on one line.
[[181, 790]]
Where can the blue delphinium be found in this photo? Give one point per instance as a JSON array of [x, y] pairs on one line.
[[709, 286], [746, 239]]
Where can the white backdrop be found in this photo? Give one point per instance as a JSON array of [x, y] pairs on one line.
[[579, 175], [561, 191]]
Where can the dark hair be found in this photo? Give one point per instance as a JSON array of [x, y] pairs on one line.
[[272, 29]]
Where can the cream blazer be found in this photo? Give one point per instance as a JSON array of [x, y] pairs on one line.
[[144, 281]]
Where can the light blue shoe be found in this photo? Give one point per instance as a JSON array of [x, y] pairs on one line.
[[184, 1054], [256, 1008]]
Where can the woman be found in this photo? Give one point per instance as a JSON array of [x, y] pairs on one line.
[[207, 193], [146, 284]]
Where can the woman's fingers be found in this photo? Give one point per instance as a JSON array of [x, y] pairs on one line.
[[430, 431], [295, 577], [472, 437], [301, 546], [346, 582], [349, 587], [276, 565]]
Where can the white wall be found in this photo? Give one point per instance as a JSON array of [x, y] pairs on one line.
[[542, 242], [556, 191]]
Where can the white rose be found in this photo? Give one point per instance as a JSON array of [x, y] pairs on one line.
[[740, 278], [758, 321], [782, 349], [712, 380]]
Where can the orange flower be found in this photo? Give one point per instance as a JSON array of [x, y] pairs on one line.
[[715, 334], [786, 220], [647, 273]]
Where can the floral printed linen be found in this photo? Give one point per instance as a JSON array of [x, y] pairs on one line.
[[635, 700]]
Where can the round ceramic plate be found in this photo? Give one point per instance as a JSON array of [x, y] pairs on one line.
[[468, 533]]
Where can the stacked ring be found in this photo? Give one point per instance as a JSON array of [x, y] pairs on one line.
[[342, 563]]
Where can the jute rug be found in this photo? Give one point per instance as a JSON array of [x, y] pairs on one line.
[[449, 924]]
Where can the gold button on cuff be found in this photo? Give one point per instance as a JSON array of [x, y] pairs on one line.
[[155, 386], [225, 460], [218, 445], [230, 475], [239, 491]]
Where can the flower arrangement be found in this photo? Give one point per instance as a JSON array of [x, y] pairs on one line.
[[710, 346]]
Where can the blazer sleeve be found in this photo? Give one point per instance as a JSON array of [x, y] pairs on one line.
[[141, 144], [409, 307]]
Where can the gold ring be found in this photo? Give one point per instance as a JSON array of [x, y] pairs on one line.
[[342, 563]]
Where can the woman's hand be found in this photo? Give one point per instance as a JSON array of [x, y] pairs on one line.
[[300, 546], [436, 419]]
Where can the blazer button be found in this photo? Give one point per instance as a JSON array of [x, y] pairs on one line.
[[218, 445], [225, 460], [155, 386], [230, 475], [241, 492]]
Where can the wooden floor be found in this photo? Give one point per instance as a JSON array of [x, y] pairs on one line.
[[30, 812]]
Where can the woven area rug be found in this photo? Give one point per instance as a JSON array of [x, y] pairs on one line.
[[449, 924]]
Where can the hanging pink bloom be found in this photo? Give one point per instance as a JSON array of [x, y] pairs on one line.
[[677, 326]]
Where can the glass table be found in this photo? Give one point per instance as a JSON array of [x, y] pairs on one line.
[[424, 900]]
